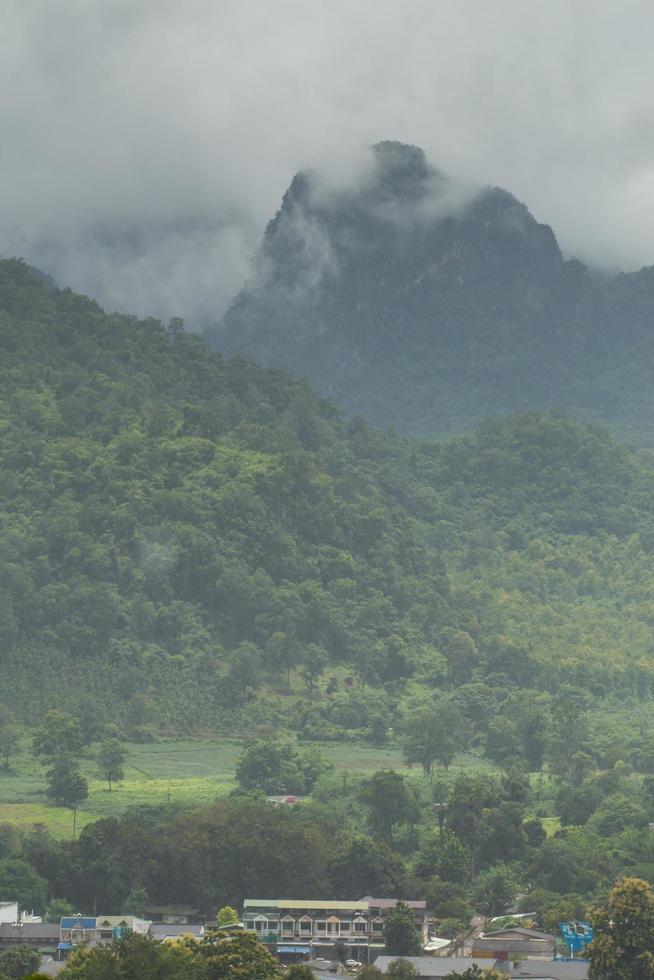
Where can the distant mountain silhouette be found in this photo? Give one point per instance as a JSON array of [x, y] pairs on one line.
[[416, 301]]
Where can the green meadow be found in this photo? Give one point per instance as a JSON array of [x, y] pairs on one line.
[[174, 772], [159, 773]]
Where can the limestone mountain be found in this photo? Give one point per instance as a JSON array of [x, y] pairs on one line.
[[414, 300]]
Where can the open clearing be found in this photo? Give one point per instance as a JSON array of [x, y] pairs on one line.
[[163, 772], [170, 772]]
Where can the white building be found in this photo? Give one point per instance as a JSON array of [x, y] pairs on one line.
[[9, 913]]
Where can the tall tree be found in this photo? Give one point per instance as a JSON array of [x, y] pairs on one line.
[[366, 866], [60, 734], [226, 916], [9, 742], [391, 801], [65, 784], [111, 757], [340, 951], [433, 734], [314, 661], [401, 937], [623, 947]]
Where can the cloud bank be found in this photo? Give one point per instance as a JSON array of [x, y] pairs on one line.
[[145, 145]]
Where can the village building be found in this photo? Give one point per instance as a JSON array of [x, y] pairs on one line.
[[77, 930], [11, 912], [175, 915], [113, 926], [299, 928], [42, 936], [514, 943]]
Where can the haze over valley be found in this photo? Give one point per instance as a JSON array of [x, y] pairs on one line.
[[326, 491]]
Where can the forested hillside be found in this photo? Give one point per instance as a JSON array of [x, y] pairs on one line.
[[182, 537], [422, 303]]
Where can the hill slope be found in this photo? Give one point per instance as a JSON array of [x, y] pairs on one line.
[[417, 302], [179, 534]]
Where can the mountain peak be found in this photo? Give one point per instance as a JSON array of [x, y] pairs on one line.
[[401, 166], [417, 300]]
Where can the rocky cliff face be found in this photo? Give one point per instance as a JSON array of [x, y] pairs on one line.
[[417, 301]]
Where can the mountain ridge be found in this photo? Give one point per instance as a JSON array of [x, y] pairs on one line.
[[418, 302]]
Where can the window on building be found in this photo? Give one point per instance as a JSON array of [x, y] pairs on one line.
[[305, 925], [345, 926], [321, 926], [360, 927], [288, 925]]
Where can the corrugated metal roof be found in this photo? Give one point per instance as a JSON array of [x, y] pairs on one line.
[[30, 930], [293, 903], [521, 931], [435, 966]]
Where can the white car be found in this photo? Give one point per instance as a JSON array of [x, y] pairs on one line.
[[352, 963]]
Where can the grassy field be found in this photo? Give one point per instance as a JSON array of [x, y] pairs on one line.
[[551, 825], [167, 771], [175, 771], [171, 772]]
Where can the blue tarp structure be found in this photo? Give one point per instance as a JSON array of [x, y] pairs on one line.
[[293, 949], [576, 935]]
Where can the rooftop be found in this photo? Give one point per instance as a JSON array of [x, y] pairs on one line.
[[298, 903], [171, 910], [162, 930], [390, 903], [552, 970], [435, 966], [81, 921], [30, 930], [519, 931]]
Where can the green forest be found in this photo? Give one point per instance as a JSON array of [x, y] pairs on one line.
[[191, 545], [195, 537]]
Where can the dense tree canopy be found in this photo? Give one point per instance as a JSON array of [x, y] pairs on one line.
[[153, 496], [401, 937]]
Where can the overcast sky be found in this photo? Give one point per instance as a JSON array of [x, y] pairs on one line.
[[144, 143]]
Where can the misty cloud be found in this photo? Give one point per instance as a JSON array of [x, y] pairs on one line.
[[144, 146]]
